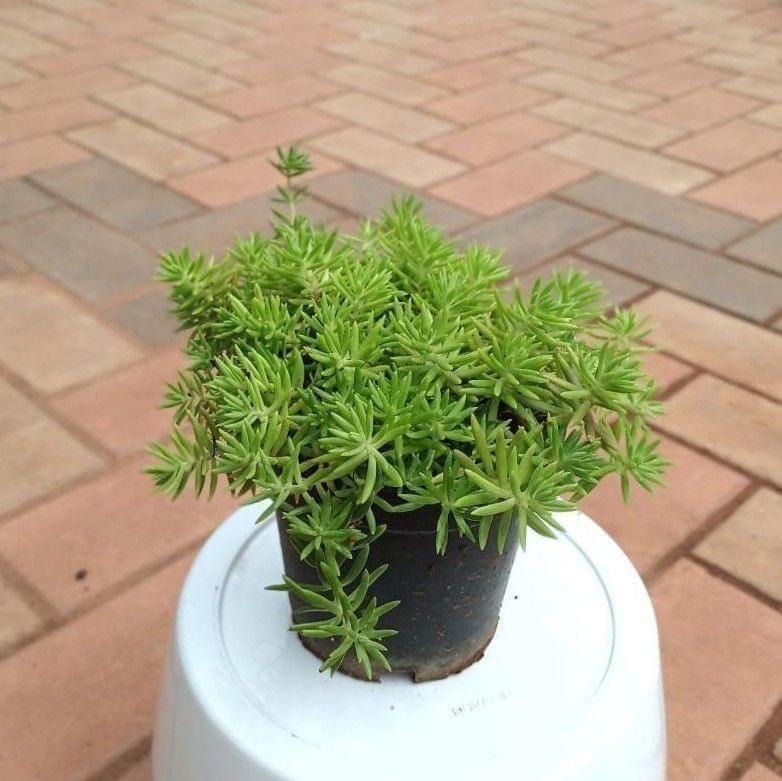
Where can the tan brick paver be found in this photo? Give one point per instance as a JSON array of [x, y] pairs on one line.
[[639, 140], [103, 53], [137, 146], [178, 75], [749, 543], [588, 68], [771, 115], [756, 88], [701, 109], [646, 168], [404, 124], [19, 45], [615, 124], [196, 49], [408, 164], [608, 95], [12, 74], [675, 79], [242, 139], [163, 109], [385, 57]]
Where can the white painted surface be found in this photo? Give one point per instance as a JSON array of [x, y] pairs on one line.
[[569, 689]]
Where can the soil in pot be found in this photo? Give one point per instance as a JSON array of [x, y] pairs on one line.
[[450, 603]]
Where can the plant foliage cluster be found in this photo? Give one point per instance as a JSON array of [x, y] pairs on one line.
[[333, 374]]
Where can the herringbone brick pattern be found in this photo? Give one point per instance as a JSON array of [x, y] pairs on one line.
[[640, 140]]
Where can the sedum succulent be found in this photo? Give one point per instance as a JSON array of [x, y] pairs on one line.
[[333, 374]]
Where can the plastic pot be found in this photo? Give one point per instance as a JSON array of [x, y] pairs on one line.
[[450, 603]]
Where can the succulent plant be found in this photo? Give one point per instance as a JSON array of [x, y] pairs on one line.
[[333, 374]]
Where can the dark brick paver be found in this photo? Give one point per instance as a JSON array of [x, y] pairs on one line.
[[691, 222], [694, 272], [543, 230]]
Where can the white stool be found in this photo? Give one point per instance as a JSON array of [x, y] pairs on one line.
[[570, 687]]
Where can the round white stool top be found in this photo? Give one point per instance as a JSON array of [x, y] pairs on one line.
[[568, 689]]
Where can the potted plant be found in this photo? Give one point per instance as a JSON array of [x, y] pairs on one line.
[[410, 420]]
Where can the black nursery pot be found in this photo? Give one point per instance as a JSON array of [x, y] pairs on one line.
[[450, 604]]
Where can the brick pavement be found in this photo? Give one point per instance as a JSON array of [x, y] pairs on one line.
[[638, 139]]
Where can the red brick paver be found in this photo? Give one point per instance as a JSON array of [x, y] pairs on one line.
[[639, 140], [89, 687], [709, 627]]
